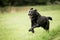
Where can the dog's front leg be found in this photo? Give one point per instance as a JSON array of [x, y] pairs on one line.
[[31, 29]]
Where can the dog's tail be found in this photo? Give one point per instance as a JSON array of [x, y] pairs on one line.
[[50, 18]]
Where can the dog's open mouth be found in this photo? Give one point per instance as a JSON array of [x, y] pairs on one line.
[[30, 16]]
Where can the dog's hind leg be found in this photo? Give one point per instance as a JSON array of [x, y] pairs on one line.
[[47, 27]]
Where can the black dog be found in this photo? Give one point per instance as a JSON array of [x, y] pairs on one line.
[[38, 20]]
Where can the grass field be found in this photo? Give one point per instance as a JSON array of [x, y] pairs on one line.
[[15, 26]]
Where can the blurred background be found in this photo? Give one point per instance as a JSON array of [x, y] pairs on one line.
[[6, 5], [15, 22]]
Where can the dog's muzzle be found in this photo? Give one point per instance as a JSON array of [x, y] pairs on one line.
[[30, 16]]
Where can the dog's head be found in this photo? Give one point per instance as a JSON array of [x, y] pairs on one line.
[[32, 13]]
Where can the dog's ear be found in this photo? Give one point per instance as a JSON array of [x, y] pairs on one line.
[[35, 10], [31, 8]]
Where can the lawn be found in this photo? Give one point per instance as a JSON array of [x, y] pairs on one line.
[[15, 25]]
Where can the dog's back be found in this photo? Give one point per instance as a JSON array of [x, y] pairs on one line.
[[41, 20]]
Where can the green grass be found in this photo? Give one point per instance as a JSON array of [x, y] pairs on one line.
[[15, 26]]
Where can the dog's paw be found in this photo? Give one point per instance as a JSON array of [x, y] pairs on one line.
[[30, 30]]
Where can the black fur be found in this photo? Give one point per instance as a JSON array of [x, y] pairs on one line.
[[39, 21]]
